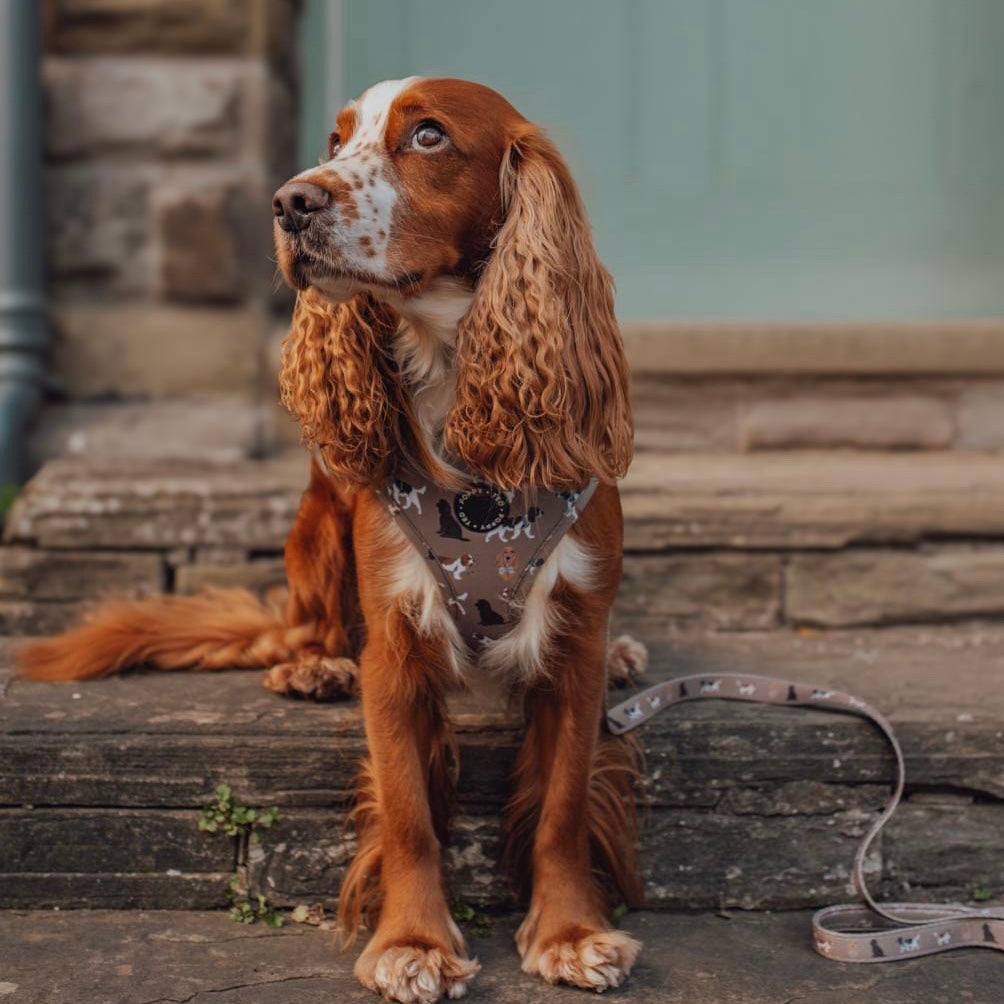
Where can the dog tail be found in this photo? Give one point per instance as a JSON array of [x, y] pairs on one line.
[[216, 629]]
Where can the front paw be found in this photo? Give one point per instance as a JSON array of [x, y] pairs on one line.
[[594, 960], [415, 974]]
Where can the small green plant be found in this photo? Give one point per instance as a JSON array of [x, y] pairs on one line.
[[245, 826], [234, 819], [477, 921], [981, 894]]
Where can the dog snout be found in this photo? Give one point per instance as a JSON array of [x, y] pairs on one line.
[[295, 203]]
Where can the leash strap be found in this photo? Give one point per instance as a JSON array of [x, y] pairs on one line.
[[850, 932]]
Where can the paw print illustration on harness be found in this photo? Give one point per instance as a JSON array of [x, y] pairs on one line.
[[457, 567], [634, 712], [908, 944], [511, 527], [711, 686], [943, 939], [448, 526], [489, 617], [406, 496], [746, 689]]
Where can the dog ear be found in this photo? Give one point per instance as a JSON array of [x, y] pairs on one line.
[[542, 392], [339, 380]]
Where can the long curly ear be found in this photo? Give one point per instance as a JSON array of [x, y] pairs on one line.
[[339, 381], [542, 394]]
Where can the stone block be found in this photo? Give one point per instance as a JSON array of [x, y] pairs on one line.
[[677, 415], [144, 350], [258, 576], [726, 591], [201, 246], [981, 417], [29, 617], [98, 228], [68, 576], [879, 586], [170, 107], [218, 430], [873, 422], [161, 26]]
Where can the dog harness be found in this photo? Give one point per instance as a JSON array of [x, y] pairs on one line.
[[484, 545]]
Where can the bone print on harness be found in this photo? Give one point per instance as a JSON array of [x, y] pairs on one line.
[[486, 545]]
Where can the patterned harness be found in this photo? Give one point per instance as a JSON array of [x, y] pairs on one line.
[[485, 544]]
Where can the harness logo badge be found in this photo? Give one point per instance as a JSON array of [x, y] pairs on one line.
[[481, 508]]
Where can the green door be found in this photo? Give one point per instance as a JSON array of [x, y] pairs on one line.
[[741, 159]]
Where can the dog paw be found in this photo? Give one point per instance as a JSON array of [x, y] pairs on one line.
[[596, 961], [317, 676], [412, 975], [627, 659]]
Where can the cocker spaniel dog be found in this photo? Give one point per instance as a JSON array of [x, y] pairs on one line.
[[455, 365]]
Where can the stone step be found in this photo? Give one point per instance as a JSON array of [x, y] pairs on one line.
[[761, 808], [726, 542], [138, 957]]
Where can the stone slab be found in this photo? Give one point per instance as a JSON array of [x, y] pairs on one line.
[[874, 586], [217, 430], [865, 421], [30, 574], [137, 957], [793, 500], [779, 501]]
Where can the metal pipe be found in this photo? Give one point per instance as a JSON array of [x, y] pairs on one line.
[[23, 328]]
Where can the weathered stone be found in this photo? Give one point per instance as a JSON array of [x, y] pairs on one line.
[[872, 422], [200, 245], [873, 586], [217, 430], [22, 617], [104, 504], [29, 574], [167, 26], [142, 350], [257, 576], [101, 891], [981, 417], [99, 841], [170, 107], [727, 591], [945, 851], [99, 228], [673, 415], [136, 956], [808, 499]]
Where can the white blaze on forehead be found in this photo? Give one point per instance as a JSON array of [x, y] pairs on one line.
[[363, 158]]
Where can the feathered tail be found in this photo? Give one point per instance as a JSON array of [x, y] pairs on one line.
[[217, 629]]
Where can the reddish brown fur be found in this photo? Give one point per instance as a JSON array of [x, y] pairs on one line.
[[541, 399]]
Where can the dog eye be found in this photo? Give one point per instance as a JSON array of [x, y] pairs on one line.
[[334, 144], [428, 136]]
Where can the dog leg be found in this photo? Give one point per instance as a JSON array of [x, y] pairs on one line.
[[567, 779], [417, 953]]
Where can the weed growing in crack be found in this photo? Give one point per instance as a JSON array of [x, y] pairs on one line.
[[227, 815], [475, 919]]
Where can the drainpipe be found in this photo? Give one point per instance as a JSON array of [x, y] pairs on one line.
[[23, 329]]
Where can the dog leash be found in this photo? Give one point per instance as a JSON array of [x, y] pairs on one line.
[[850, 932]]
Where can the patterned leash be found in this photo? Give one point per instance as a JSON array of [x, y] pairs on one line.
[[850, 932]]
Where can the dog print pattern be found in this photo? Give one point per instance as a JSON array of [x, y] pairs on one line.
[[485, 545]]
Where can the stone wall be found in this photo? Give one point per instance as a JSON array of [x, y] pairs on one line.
[[169, 122]]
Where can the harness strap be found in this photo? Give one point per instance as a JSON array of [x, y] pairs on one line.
[[850, 932]]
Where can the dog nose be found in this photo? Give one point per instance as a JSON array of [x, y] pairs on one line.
[[294, 203]]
